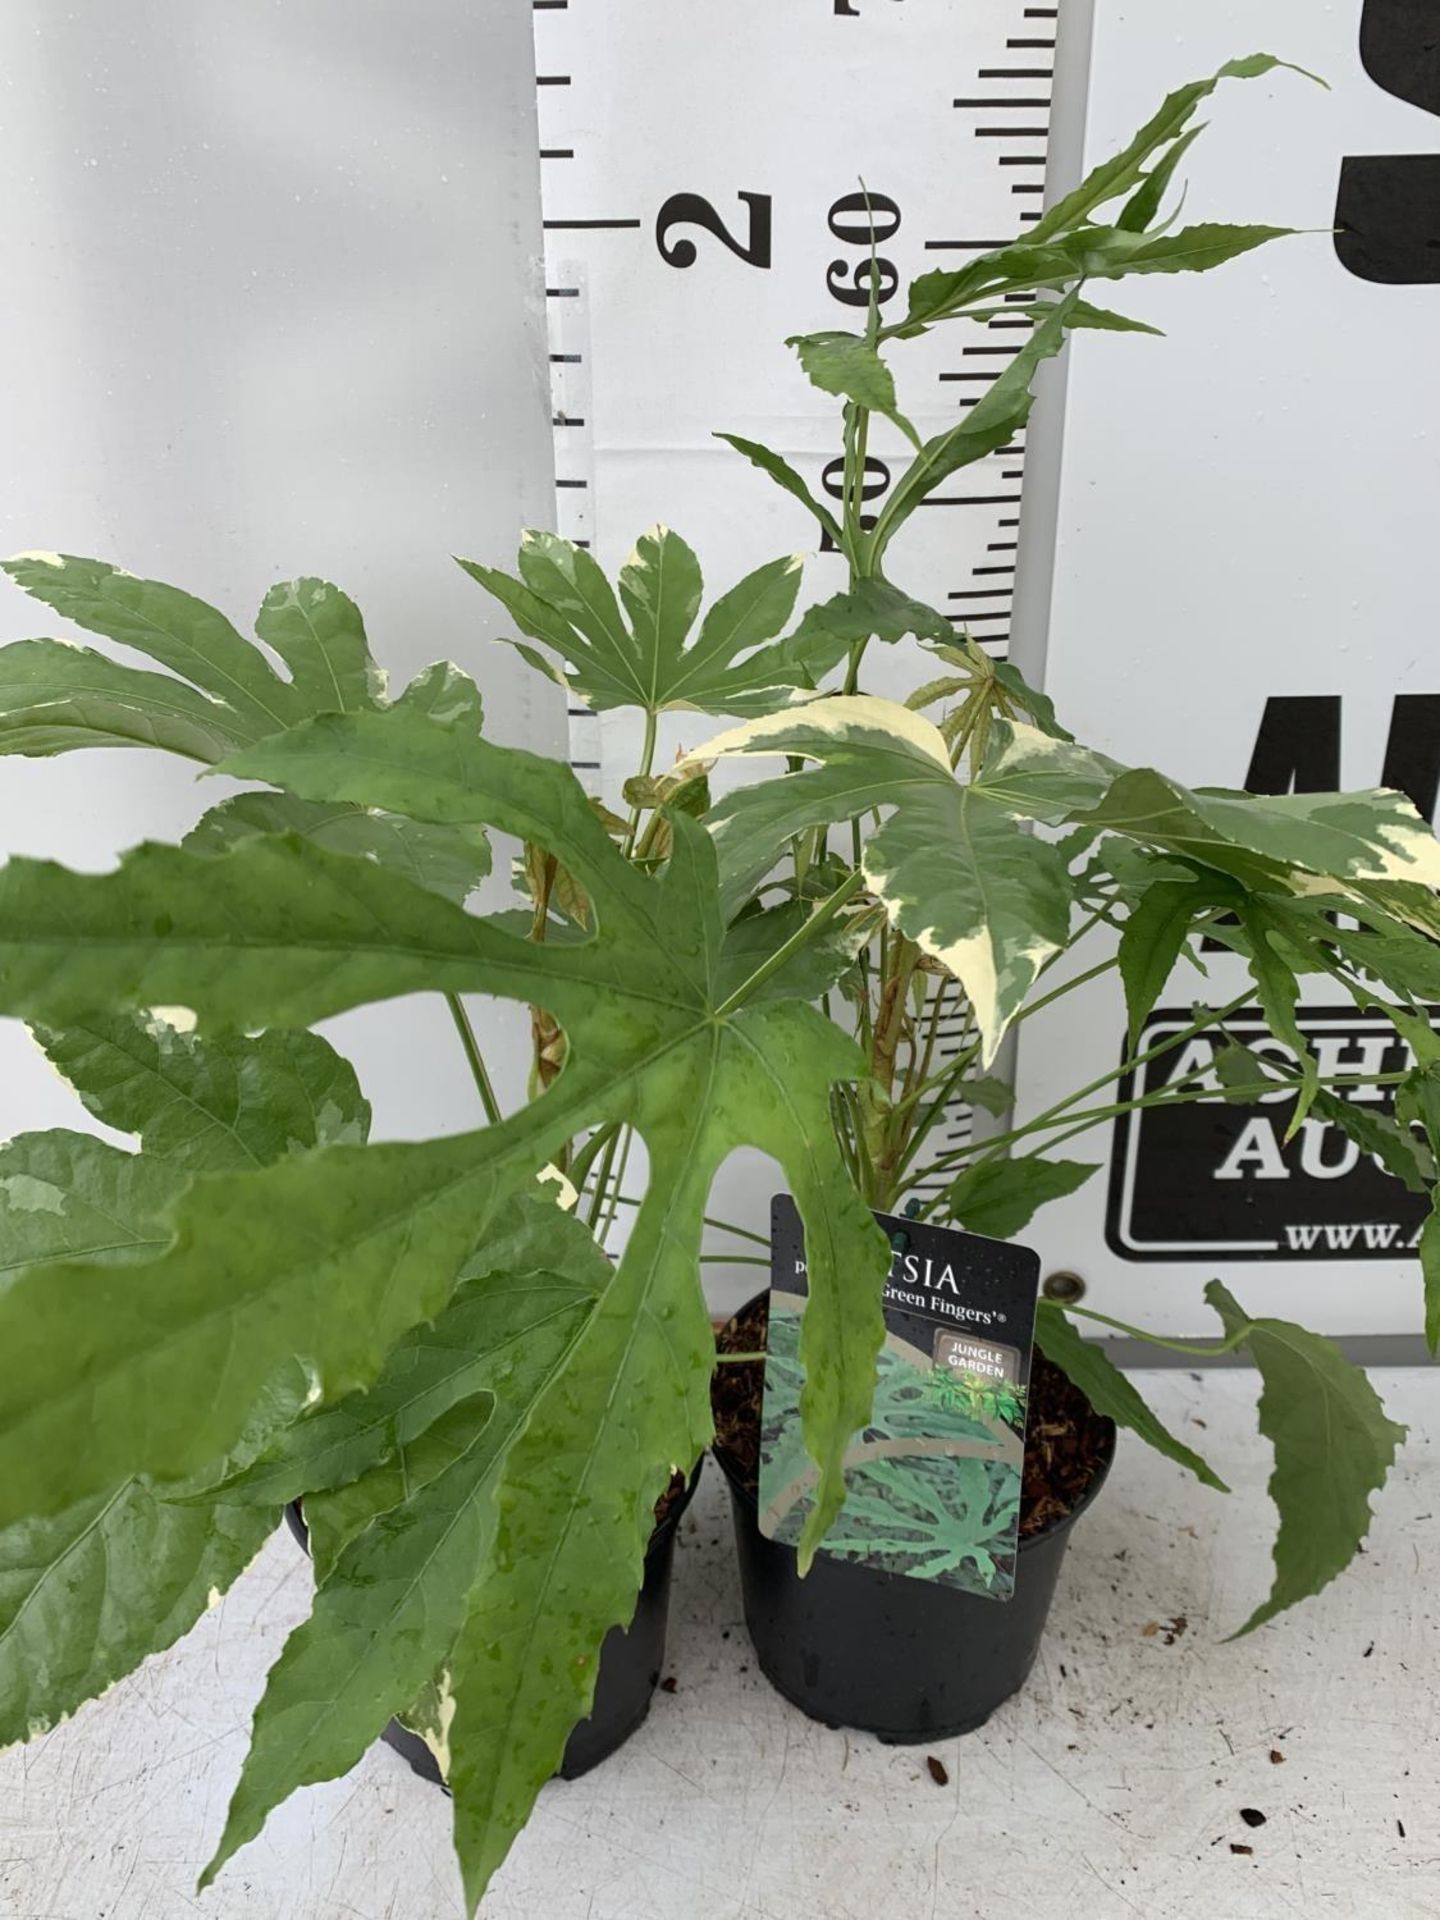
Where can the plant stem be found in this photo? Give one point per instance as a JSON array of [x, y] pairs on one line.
[[721, 1226], [647, 760], [627, 1140], [1200, 1351], [475, 1058]]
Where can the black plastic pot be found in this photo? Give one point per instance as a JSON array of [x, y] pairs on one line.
[[630, 1662], [907, 1660]]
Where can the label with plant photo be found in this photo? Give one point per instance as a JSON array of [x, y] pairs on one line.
[[933, 1482]]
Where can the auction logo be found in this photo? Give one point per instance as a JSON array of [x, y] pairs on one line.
[[1194, 1181]]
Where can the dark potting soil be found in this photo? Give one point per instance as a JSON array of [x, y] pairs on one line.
[[670, 1498], [1066, 1441]]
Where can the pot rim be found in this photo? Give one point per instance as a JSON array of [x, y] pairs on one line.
[[661, 1534], [733, 1471]]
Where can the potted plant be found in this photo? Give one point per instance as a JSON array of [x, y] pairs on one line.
[[427, 1343]]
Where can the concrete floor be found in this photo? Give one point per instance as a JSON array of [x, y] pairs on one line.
[[1112, 1788]]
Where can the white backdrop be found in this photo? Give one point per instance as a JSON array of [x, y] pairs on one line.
[[1247, 510], [271, 307]]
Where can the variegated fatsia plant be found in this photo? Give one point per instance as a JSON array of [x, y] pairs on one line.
[[478, 1405]]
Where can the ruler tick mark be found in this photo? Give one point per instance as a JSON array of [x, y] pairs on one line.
[[557, 153], [576, 226], [1000, 101], [973, 500], [552, 79]]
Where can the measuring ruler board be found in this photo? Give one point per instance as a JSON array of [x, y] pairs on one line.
[[701, 173]]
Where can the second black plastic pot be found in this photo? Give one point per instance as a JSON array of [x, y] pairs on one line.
[[907, 1660], [631, 1659]]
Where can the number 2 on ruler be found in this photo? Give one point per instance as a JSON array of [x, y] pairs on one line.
[[689, 209]]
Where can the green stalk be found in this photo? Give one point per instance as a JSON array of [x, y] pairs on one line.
[[476, 1060], [1200, 1350], [647, 760]]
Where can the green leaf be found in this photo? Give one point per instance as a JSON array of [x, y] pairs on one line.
[[873, 609], [785, 476], [1000, 1197], [1110, 254], [956, 874], [661, 590], [1333, 1448], [1039, 706], [812, 970], [328, 1258], [448, 860], [432, 1368], [1101, 320], [86, 1595], [728, 669], [1090, 1368], [1151, 942], [1144, 204], [388, 1611], [70, 1196], [55, 698], [995, 1096], [987, 426], [179, 631], [1374, 835], [1245, 1074], [848, 364], [1125, 171], [319, 634], [210, 1105], [1272, 968]]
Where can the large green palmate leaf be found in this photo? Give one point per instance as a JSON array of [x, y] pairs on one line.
[[332, 1255], [1333, 1445], [734, 665], [87, 1592]]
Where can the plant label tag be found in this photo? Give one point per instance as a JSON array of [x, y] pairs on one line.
[[933, 1482]]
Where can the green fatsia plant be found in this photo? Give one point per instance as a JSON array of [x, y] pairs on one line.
[[259, 1306], [477, 1402]]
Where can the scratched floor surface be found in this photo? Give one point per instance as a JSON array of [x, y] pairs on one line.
[[1112, 1788]]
